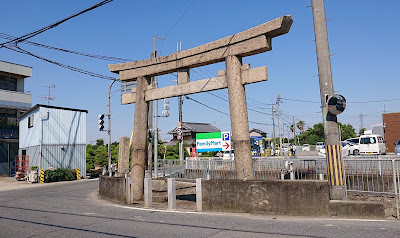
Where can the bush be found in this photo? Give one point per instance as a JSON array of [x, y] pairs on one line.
[[60, 174]]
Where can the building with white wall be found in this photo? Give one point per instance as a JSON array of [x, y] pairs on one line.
[[54, 137], [14, 101]]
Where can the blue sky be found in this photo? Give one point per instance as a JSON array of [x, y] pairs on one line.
[[363, 37]]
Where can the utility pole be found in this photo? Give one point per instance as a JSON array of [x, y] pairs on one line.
[[156, 116], [294, 132], [180, 101], [150, 153], [278, 100], [273, 128], [109, 128], [362, 120], [333, 151]]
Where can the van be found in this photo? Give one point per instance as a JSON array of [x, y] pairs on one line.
[[372, 144]]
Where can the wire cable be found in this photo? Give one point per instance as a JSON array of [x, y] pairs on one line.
[[102, 57], [46, 28], [187, 97], [176, 23], [22, 51]]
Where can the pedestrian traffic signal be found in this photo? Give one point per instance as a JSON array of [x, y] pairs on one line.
[[101, 122]]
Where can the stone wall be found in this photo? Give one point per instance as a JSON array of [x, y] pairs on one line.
[[307, 198], [112, 188]]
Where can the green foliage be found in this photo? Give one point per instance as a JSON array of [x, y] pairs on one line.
[[98, 154], [208, 154], [99, 142], [347, 131], [313, 135], [60, 174], [361, 131]]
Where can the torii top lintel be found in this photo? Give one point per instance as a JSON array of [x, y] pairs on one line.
[[249, 42]]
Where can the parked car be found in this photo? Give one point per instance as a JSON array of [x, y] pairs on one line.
[[353, 149], [372, 144], [355, 140], [397, 147], [347, 149], [319, 145], [305, 147]]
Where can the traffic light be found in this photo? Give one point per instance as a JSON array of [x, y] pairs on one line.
[[101, 122]]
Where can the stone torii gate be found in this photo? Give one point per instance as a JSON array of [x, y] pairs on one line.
[[230, 49]]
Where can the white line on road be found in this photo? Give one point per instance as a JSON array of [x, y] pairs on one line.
[[246, 214]]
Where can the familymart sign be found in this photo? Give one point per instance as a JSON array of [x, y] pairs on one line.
[[213, 141]]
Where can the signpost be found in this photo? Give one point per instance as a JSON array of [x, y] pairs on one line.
[[213, 141]]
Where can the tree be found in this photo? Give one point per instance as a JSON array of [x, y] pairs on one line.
[[361, 131], [347, 131], [99, 142], [313, 135]]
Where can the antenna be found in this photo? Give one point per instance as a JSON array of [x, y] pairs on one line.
[[48, 97]]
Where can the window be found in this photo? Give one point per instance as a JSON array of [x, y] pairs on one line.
[[8, 83], [30, 121], [368, 140]]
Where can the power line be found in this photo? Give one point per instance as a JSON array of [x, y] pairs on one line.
[[46, 28], [363, 102], [22, 51], [176, 23], [187, 97], [102, 57]]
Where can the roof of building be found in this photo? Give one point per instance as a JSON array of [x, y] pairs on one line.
[[258, 131], [196, 127], [48, 106], [17, 69]]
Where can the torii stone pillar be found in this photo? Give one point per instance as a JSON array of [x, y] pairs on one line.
[[139, 142], [239, 118]]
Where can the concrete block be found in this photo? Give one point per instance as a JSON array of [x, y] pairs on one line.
[[171, 194], [304, 198], [356, 209], [123, 156], [112, 188], [148, 195], [199, 195]]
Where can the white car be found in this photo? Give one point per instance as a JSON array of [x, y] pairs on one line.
[[354, 149], [305, 147], [348, 148]]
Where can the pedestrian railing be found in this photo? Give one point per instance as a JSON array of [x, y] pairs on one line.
[[366, 174], [375, 175]]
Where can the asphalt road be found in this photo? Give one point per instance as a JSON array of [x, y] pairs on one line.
[[72, 209]]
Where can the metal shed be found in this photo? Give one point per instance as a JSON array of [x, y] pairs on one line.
[[54, 137]]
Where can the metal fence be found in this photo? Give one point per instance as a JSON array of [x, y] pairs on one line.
[[366, 174], [375, 175]]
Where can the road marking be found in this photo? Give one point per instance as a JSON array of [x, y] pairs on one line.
[[156, 210], [239, 214]]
